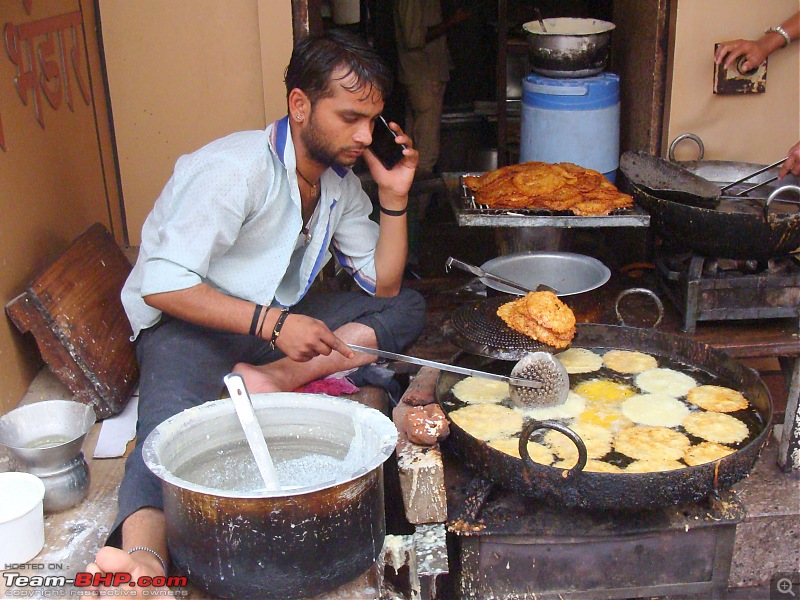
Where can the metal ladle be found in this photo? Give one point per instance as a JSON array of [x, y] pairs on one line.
[[539, 18], [252, 430], [538, 380]]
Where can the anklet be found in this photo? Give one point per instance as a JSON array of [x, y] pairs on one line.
[[153, 552]]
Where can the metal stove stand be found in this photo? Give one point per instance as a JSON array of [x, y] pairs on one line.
[[515, 547], [726, 295]]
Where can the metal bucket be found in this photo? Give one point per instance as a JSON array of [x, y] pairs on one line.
[[297, 542]]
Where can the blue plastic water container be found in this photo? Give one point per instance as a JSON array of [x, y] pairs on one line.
[[571, 120]]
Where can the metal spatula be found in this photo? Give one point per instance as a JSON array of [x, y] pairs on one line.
[[538, 380], [479, 272]]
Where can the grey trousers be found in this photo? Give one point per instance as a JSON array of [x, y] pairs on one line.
[[182, 365]]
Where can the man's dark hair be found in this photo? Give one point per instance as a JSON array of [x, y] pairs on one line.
[[316, 58]]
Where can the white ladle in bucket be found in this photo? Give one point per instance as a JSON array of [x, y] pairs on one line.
[[252, 430]]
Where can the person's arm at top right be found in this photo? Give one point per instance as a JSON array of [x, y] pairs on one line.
[[756, 52]]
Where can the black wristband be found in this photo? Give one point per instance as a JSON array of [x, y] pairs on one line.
[[393, 213], [254, 322], [276, 331], [263, 320]]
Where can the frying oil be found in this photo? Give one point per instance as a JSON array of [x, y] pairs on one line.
[[49, 441], [750, 416]]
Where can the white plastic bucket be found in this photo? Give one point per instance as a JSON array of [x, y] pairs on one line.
[[21, 517]]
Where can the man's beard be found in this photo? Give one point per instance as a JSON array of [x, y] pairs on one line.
[[317, 147]]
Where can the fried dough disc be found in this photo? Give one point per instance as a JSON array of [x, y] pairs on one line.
[[706, 452], [665, 381], [538, 181], [653, 466], [629, 361], [538, 453], [585, 179], [596, 439], [541, 316], [563, 198], [487, 421], [604, 415], [604, 391], [716, 427], [651, 443], [477, 390], [574, 405], [580, 360], [550, 312], [717, 398], [655, 409]]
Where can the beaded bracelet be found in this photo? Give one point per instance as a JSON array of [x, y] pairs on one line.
[[153, 552]]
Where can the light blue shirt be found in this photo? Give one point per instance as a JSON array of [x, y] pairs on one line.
[[230, 217]]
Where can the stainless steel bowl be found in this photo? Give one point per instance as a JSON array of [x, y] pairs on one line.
[[567, 272], [570, 47]]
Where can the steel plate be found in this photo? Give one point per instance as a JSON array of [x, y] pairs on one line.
[[566, 272]]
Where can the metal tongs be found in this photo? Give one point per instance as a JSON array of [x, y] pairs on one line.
[[479, 272], [538, 380], [750, 176]]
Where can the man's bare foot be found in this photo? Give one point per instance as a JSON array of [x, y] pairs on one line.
[[256, 380], [122, 569]]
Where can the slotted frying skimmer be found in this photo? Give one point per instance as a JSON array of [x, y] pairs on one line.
[[538, 380]]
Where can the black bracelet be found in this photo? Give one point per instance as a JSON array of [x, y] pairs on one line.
[[254, 322], [276, 331], [263, 320], [393, 213]]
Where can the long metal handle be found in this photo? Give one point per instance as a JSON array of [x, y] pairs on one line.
[[755, 187], [477, 271], [445, 367], [751, 175]]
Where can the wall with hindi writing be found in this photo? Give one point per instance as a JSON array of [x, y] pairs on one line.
[[183, 73], [56, 165]]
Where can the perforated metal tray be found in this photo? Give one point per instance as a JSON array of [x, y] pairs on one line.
[[477, 329]]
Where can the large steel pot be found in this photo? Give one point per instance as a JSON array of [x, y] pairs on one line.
[[569, 47], [623, 491], [256, 544]]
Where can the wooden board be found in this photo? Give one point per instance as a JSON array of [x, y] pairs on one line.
[[74, 312]]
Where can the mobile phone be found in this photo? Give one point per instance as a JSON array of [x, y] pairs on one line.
[[383, 145]]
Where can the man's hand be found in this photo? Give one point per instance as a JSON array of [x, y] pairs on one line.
[[302, 338], [792, 164]]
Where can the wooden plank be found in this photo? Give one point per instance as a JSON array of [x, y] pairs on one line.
[[420, 467], [74, 312]]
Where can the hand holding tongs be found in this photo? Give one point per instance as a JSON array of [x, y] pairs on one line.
[[477, 271], [746, 177]]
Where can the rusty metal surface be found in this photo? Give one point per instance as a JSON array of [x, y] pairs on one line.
[[627, 491]]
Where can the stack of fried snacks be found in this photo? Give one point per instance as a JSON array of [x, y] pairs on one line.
[[545, 186], [541, 316]]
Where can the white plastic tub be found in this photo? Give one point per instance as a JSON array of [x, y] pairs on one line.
[[21, 517]]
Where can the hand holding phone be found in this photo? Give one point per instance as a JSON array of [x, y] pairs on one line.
[[383, 144]]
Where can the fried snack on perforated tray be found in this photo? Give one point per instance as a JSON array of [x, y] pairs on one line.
[[544, 186], [541, 316]]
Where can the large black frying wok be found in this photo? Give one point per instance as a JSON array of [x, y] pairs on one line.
[[725, 228], [623, 491]]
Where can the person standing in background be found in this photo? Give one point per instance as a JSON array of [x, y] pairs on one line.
[[755, 53], [423, 70]]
